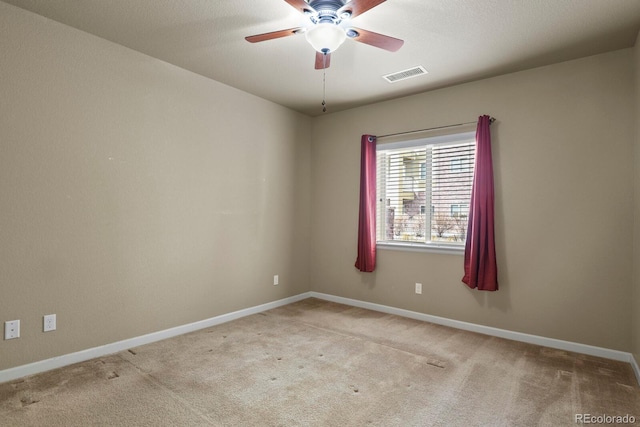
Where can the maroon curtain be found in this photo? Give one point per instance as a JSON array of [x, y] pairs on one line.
[[366, 260], [480, 269]]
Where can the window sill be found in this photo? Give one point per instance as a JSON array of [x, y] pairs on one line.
[[421, 247]]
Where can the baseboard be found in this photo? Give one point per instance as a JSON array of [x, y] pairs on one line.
[[636, 368], [92, 353], [487, 330]]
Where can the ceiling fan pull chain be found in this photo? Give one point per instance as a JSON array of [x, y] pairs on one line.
[[324, 82]]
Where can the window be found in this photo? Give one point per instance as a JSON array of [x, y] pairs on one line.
[[411, 175], [459, 210]]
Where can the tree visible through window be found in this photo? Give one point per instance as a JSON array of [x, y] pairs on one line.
[[424, 190]]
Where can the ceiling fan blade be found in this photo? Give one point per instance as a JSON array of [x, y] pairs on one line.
[[273, 35], [322, 60], [300, 5], [358, 7], [374, 39]]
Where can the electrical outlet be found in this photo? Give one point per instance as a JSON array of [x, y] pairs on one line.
[[11, 329], [49, 323], [418, 288], [276, 280]]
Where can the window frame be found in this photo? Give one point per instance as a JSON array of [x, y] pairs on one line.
[[459, 136]]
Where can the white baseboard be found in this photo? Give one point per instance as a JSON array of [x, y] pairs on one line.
[[488, 330], [92, 353], [636, 368], [81, 356]]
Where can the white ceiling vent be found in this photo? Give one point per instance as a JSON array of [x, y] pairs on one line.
[[405, 74]]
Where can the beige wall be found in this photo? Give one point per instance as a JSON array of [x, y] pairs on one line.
[[562, 147], [136, 196], [636, 198]]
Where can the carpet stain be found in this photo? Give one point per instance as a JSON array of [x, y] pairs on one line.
[[564, 373], [436, 364], [627, 387], [605, 371], [113, 375], [132, 352], [26, 401]]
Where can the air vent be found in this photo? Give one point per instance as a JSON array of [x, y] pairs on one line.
[[405, 74]]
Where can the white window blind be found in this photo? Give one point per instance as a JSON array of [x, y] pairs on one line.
[[424, 190]]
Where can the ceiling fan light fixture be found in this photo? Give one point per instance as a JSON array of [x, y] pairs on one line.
[[325, 37]]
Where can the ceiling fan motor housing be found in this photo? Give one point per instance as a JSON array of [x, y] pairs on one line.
[[327, 11], [326, 4]]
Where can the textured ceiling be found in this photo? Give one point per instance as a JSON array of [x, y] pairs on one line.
[[455, 40]]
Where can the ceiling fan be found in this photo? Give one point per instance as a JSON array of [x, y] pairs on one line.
[[329, 27]]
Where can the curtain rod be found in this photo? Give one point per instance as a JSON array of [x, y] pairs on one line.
[[491, 120]]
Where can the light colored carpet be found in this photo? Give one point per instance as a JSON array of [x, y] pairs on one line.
[[316, 363]]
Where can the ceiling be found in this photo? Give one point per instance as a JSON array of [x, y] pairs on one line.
[[455, 40]]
